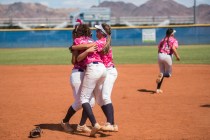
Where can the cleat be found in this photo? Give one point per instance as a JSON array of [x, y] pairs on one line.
[[95, 129], [115, 128], [66, 126], [159, 91], [83, 128], [108, 127]]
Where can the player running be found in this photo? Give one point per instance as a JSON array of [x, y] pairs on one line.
[[166, 48]]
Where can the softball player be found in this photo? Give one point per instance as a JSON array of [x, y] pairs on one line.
[[166, 48], [94, 75], [76, 78], [103, 92], [104, 37]]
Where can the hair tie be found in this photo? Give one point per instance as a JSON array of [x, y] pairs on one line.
[[79, 20]]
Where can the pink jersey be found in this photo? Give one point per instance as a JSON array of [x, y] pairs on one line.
[[106, 58], [82, 40], [95, 56], [167, 47]]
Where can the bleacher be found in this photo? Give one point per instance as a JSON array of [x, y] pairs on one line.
[[33, 22], [152, 20], [63, 22]]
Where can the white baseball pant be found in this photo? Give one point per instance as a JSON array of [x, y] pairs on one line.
[[76, 79], [103, 92], [95, 75], [165, 64]]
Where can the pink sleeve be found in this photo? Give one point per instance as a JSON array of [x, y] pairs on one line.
[[100, 45], [77, 41], [176, 44]]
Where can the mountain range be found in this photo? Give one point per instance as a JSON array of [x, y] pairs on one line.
[[118, 9]]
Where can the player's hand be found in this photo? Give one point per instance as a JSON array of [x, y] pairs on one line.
[[91, 45], [70, 49], [178, 58], [92, 49]]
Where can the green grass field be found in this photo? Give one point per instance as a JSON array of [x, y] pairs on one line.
[[190, 54]]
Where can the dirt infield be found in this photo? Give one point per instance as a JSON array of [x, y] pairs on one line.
[[41, 95]]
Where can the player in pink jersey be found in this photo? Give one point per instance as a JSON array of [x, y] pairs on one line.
[[104, 35], [105, 90], [76, 78], [166, 48], [94, 76]]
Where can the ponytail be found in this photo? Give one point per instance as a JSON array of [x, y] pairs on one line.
[[162, 43], [168, 34], [107, 45]]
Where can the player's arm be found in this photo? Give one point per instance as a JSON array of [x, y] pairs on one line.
[[83, 46], [74, 57], [176, 53], [85, 53]]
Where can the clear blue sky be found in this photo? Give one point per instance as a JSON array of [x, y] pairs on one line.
[[89, 3]]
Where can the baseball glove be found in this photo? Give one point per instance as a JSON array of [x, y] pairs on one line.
[[35, 133]]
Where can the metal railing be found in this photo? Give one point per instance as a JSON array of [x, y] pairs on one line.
[[153, 20], [63, 22]]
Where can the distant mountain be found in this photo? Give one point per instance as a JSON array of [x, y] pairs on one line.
[[158, 8], [119, 9], [203, 13], [161, 8], [31, 10]]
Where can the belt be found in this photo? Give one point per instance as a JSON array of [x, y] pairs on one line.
[[95, 62], [81, 70], [165, 53], [110, 67]]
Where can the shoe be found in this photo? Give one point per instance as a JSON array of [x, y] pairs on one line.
[[108, 127], [115, 128], [66, 126], [95, 129], [160, 76], [159, 91], [83, 128]]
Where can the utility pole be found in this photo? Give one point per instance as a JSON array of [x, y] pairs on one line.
[[195, 12]]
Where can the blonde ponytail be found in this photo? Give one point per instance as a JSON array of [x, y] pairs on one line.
[[107, 46]]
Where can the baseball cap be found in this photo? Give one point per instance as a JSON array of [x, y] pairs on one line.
[[100, 27]]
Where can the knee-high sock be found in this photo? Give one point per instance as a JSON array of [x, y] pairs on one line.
[[159, 84], [88, 110], [109, 112], [83, 119], [113, 115], [69, 114]]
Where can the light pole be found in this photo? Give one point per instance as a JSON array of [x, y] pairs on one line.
[[194, 11]]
